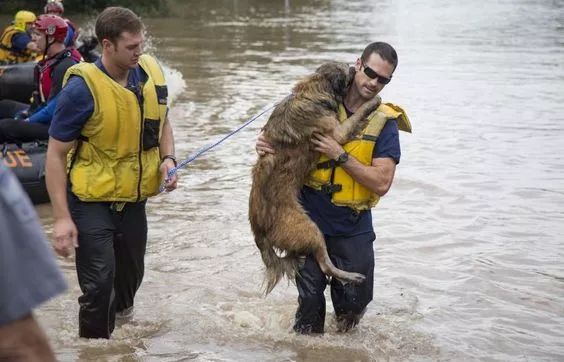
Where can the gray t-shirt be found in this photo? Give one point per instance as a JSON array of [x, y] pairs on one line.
[[29, 274]]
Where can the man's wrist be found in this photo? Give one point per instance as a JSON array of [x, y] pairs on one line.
[[169, 157], [342, 158], [63, 214]]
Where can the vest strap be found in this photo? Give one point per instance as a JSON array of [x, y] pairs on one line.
[[330, 189], [368, 137], [327, 164]]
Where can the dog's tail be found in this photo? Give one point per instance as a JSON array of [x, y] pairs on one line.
[[276, 267]]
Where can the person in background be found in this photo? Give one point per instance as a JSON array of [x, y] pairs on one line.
[[16, 45], [55, 7], [32, 123], [29, 275], [339, 194], [112, 114]]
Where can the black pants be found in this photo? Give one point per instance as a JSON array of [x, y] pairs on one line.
[[109, 261], [9, 108], [15, 131], [355, 254]]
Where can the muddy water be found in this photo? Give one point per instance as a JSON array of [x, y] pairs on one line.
[[469, 254]]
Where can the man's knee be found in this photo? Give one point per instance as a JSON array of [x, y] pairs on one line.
[[312, 300]]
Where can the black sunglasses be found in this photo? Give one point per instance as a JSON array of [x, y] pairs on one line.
[[371, 73]]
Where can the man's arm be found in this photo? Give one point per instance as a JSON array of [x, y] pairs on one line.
[[45, 113], [22, 41], [377, 177], [166, 148], [64, 230], [166, 144]]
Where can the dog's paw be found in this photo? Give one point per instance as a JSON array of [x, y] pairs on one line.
[[357, 278], [374, 103], [354, 278], [370, 106]]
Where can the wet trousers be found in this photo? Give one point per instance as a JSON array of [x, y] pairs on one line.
[[354, 254], [109, 261], [9, 108], [18, 131]]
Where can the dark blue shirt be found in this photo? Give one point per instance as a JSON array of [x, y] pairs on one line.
[[343, 221], [75, 104], [20, 41]]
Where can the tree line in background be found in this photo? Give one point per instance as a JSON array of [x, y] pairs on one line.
[[142, 7]]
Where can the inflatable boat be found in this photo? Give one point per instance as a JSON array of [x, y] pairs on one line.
[[16, 81], [27, 161]]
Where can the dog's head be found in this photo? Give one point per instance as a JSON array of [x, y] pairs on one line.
[[339, 76]]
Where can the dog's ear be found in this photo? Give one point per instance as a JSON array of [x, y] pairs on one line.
[[336, 75], [340, 79], [352, 73]]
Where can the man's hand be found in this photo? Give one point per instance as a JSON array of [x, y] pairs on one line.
[[327, 145], [262, 146], [169, 184], [66, 236], [21, 115]]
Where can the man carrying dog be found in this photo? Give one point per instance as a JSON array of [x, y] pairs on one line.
[[112, 116], [348, 182]]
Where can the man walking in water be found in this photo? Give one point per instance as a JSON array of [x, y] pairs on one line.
[[112, 115]]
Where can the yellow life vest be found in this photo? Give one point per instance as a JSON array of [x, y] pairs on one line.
[[117, 155], [9, 55], [345, 190]]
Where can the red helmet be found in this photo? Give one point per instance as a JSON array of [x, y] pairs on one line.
[[52, 25], [54, 7]]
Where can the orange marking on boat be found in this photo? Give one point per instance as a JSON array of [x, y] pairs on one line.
[[17, 158]]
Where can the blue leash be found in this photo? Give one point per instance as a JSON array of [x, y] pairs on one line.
[[208, 147]]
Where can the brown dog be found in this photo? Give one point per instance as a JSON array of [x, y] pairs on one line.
[[278, 221]]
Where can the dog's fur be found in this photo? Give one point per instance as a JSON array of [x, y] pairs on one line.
[[278, 221]]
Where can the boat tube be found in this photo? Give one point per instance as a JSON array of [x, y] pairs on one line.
[[27, 161]]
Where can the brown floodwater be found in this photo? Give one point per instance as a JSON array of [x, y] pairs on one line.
[[469, 249]]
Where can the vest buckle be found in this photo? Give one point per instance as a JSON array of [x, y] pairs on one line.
[[117, 206], [331, 188]]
